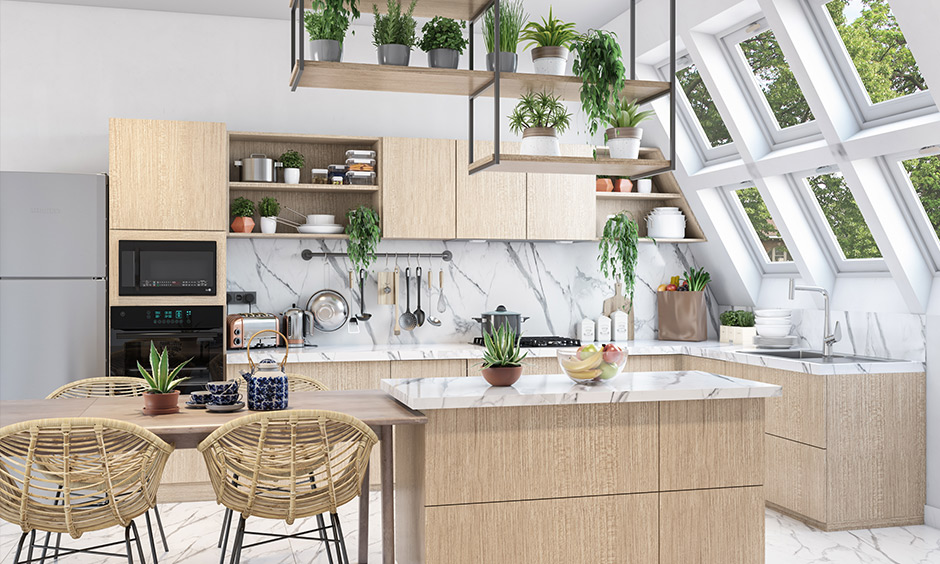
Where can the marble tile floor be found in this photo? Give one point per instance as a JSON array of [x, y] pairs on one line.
[[192, 530]]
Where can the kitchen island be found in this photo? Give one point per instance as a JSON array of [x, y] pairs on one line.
[[650, 467]]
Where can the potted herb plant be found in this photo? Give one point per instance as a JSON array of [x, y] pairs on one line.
[[502, 357], [623, 137], [442, 39], [292, 162], [737, 327], [551, 40], [511, 19], [162, 397], [268, 209], [326, 25], [597, 61], [394, 33], [242, 210], [618, 250], [539, 117], [364, 236]]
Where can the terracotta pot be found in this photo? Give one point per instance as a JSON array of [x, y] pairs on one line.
[[502, 376], [243, 225], [604, 185], [623, 185], [160, 404]]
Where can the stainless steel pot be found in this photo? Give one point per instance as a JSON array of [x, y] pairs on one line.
[[330, 310], [501, 317], [258, 168]]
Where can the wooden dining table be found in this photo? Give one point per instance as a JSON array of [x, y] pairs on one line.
[[189, 427]]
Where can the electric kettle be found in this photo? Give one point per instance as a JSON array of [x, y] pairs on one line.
[[297, 325]]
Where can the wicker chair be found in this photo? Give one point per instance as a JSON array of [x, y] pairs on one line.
[[289, 465], [75, 475]]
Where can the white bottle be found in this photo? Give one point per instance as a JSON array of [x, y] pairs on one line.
[[620, 321], [603, 329], [587, 331]]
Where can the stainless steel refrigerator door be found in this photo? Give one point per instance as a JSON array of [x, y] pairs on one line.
[[53, 225], [51, 332]]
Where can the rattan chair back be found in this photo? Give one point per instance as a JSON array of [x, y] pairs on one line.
[[288, 464], [107, 386], [301, 383], [74, 475]]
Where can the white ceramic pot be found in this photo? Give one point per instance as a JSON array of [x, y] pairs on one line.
[[624, 142], [550, 60], [540, 141], [745, 335], [291, 176], [269, 224], [726, 334], [644, 185]]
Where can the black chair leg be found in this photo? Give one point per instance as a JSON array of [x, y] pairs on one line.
[[322, 525], [140, 549], [58, 540], [45, 547], [127, 544], [237, 543], [156, 513], [19, 548], [32, 541], [226, 524], [338, 531], [153, 545]]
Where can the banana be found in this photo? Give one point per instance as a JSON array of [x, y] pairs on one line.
[[584, 374], [574, 365]]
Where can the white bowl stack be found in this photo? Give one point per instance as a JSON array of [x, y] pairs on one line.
[[772, 323], [665, 223], [321, 224]]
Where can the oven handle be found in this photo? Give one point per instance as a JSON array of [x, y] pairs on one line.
[[185, 334]]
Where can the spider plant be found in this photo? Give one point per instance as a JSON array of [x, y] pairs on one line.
[[161, 379], [539, 110]]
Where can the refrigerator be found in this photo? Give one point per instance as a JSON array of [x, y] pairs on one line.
[[53, 281]]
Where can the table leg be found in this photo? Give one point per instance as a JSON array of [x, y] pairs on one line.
[[388, 496], [364, 520]]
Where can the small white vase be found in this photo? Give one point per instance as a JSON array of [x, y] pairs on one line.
[[269, 224], [644, 185], [540, 141], [291, 176]]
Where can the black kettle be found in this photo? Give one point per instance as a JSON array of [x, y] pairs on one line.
[[492, 320]]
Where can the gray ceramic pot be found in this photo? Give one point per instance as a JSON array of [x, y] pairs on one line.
[[507, 62], [394, 54], [326, 50], [443, 58]]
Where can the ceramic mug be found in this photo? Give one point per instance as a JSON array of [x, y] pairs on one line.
[[200, 397], [228, 387], [225, 399]]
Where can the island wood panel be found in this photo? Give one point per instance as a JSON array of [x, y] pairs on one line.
[[490, 205], [800, 413], [796, 478], [715, 526], [710, 444], [598, 530], [480, 455], [876, 450], [168, 175], [419, 188], [652, 363], [428, 368], [410, 511], [561, 207]]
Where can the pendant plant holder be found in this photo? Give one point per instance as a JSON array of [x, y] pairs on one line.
[[364, 236], [618, 250]]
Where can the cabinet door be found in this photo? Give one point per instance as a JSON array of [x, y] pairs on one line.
[[490, 205], [168, 175], [561, 207], [419, 188]]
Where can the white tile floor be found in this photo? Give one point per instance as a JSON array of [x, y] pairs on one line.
[[193, 528]]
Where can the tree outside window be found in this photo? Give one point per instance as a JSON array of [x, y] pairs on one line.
[[763, 223], [776, 80], [844, 218], [924, 174], [703, 106]]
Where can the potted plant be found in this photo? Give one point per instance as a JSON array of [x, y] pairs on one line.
[[364, 236], [511, 19], [502, 357], [442, 39], [540, 117], [326, 25], [604, 184], [162, 397], [551, 40], [618, 250], [242, 210], [268, 209], [623, 137], [737, 327], [394, 33], [597, 61], [292, 162]]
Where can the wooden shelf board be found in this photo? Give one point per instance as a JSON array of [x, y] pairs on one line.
[[285, 236], [298, 138], [636, 196], [569, 165], [456, 9], [687, 240], [455, 82], [320, 188]]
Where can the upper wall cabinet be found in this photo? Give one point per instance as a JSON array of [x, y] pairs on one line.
[[490, 205], [561, 207], [418, 188], [168, 175]]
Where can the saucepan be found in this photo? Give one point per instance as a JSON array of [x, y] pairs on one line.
[[501, 317]]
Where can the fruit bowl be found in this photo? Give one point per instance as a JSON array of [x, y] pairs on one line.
[[591, 364]]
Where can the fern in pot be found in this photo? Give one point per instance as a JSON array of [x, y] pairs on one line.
[[551, 40], [442, 39], [502, 357], [619, 253], [394, 33], [512, 17], [624, 135], [269, 209], [540, 117], [326, 25]]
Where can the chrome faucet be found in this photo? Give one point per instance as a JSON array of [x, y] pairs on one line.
[[829, 339]]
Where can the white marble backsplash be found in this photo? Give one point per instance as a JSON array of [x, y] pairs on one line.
[[887, 335], [556, 285]]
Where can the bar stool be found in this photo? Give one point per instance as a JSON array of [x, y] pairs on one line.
[[75, 475], [288, 465]]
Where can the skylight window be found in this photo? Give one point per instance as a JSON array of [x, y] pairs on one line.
[[773, 76], [924, 175], [762, 224], [703, 106], [844, 218]]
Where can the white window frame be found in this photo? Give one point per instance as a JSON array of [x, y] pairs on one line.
[[707, 154], [918, 221], [746, 231], [867, 114], [776, 137]]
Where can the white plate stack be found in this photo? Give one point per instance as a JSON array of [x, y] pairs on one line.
[[320, 224], [773, 328], [665, 223]]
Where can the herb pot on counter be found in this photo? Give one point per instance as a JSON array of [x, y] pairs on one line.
[[501, 317]]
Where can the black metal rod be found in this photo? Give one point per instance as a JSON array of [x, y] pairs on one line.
[[497, 68], [479, 91], [300, 45], [672, 85], [632, 39], [470, 124], [446, 256], [483, 167], [293, 34]]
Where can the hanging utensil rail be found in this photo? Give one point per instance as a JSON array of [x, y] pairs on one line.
[[446, 256]]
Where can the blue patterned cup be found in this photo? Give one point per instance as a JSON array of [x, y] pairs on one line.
[[200, 397], [228, 387], [225, 399]]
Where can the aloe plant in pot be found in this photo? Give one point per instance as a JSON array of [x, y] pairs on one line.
[[512, 17], [394, 33], [551, 40], [442, 39], [540, 117], [326, 25], [242, 210], [502, 357], [162, 397], [624, 137]]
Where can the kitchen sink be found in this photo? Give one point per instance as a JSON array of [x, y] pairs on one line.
[[816, 356]]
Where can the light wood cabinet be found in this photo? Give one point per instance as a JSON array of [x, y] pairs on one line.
[[490, 205], [419, 188], [561, 207], [796, 478], [428, 369], [168, 175]]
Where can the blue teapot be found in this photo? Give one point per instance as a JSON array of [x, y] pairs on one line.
[[267, 382]]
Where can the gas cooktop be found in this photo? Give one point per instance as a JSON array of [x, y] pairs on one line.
[[533, 342]]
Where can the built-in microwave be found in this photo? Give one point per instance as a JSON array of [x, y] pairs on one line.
[[166, 268]]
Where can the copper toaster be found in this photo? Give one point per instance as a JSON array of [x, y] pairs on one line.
[[241, 326]]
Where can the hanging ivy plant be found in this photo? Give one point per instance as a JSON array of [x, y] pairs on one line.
[[618, 248], [597, 60], [364, 236]]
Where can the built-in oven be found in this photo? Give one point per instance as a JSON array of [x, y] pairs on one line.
[[166, 268], [186, 332]]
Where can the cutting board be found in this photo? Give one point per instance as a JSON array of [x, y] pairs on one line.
[[619, 302]]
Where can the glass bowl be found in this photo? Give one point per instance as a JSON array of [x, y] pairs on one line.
[[587, 367]]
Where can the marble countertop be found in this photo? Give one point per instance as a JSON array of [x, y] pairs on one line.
[[558, 389], [467, 351]]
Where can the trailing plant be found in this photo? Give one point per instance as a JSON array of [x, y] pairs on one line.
[[242, 207], [626, 113], [443, 33], [364, 236], [597, 61], [268, 207], [329, 19], [539, 110], [394, 28], [161, 379], [697, 279], [512, 17], [502, 348], [549, 33], [292, 159], [618, 248]]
